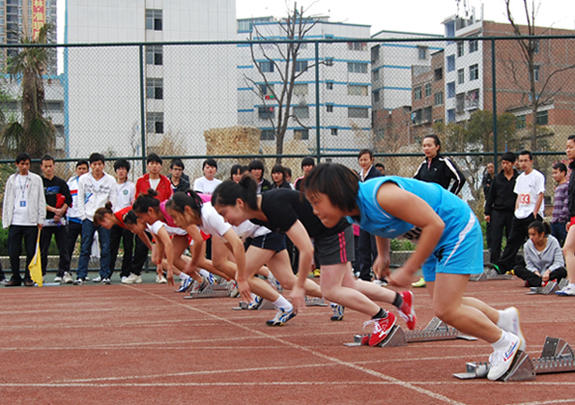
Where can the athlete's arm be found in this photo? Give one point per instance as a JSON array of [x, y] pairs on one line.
[[144, 238], [382, 261], [165, 240], [300, 238], [238, 250]]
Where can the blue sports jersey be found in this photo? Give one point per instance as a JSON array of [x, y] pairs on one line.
[[454, 212]]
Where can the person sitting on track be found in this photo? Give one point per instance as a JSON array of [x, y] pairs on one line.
[[288, 211], [449, 246]]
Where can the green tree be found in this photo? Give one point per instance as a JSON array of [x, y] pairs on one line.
[[35, 134]]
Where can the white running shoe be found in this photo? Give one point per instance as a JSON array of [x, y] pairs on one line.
[[567, 291], [511, 324], [131, 279], [97, 279], [67, 279], [57, 279], [161, 279], [501, 360]]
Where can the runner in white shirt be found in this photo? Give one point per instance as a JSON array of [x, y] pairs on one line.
[[207, 184]]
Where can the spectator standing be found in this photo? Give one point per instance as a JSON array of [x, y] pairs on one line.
[[74, 220], [381, 168], [58, 199], [488, 177], [560, 216], [278, 177], [257, 168], [125, 196], [177, 176], [367, 247], [569, 246], [529, 187], [237, 172], [95, 189], [307, 163], [23, 214], [500, 204], [208, 183]]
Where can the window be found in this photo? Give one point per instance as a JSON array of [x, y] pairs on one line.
[[266, 89], [329, 107], [154, 20], [520, 122], [300, 89], [356, 90], [536, 72], [267, 135], [245, 26], [301, 65], [450, 89], [155, 123], [473, 72], [353, 67], [154, 88], [301, 134], [358, 112], [438, 98], [266, 67], [301, 111], [416, 117], [265, 112], [542, 118], [472, 100], [460, 49], [438, 74], [450, 115], [460, 103], [334, 131], [356, 46], [460, 76], [379, 134], [535, 45], [329, 61], [426, 116], [417, 93], [376, 96], [473, 46], [422, 52], [428, 90], [375, 75], [329, 85], [154, 55], [374, 54]]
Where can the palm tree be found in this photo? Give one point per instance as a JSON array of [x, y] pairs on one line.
[[35, 134]]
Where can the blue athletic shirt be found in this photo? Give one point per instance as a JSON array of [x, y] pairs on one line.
[[454, 212]]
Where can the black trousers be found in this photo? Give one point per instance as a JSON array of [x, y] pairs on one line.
[[533, 279], [500, 223], [516, 239], [74, 230], [140, 255], [60, 233], [15, 235], [117, 234], [367, 253]]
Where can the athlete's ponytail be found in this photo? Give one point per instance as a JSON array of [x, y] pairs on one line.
[[228, 192], [101, 212], [540, 227], [130, 218], [146, 201], [182, 199]]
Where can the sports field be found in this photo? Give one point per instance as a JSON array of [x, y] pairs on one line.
[[145, 344]]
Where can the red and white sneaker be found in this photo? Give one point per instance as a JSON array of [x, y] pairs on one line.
[[406, 310], [381, 328]]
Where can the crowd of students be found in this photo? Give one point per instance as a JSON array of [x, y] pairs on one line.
[[260, 236]]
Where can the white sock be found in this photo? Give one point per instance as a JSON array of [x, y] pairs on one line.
[[183, 276], [503, 342], [204, 273], [572, 285], [284, 304], [503, 321]]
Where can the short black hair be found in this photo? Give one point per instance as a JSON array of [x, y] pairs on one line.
[[571, 138], [257, 164], [210, 162], [287, 171], [560, 166], [279, 169], [307, 161], [526, 152], [46, 158], [435, 139], [237, 168], [83, 162], [380, 165], [364, 151], [177, 162], [22, 157], [97, 157], [122, 163], [339, 183], [155, 158]]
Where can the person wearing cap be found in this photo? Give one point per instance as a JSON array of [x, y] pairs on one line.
[[500, 204]]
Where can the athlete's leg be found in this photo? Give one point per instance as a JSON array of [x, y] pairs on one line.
[[280, 266]]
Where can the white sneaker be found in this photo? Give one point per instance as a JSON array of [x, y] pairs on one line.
[[501, 360], [131, 279], [106, 280], [57, 279], [161, 279], [97, 279], [567, 291], [512, 325], [67, 279]]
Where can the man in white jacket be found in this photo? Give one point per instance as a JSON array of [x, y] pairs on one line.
[[95, 189], [23, 212]]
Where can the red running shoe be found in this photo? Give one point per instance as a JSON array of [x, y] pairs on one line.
[[381, 328], [406, 310]]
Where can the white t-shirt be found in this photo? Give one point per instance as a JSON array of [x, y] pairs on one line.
[[126, 194], [205, 186], [248, 229], [21, 216], [154, 183], [156, 226], [528, 187], [212, 222]]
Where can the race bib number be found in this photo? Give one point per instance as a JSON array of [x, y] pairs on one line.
[[524, 199], [412, 235]]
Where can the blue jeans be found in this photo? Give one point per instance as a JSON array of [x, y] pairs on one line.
[[88, 229], [558, 230]]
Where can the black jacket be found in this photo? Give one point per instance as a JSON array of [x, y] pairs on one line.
[[441, 171], [372, 173], [501, 196], [571, 203]]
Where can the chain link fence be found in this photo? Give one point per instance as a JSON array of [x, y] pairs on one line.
[[236, 101]]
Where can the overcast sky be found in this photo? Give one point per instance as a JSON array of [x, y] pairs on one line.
[[422, 16]]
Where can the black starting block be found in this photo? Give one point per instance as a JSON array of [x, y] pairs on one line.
[[435, 330], [211, 291], [489, 273], [550, 288], [556, 357]]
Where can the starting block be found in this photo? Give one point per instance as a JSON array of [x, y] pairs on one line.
[[309, 301], [550, 288], [211, 291], [556, 357], [489, 274], [435, 330]]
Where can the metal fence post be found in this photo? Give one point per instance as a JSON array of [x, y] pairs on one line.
[[142, 109], [494, 104], [317, 127]]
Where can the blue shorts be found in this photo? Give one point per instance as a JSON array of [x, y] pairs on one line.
[[461, 254], [269, 241]]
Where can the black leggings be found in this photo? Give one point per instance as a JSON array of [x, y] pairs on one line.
[[533, 279]]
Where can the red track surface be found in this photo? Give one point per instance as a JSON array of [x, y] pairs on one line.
[[145, 344]]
